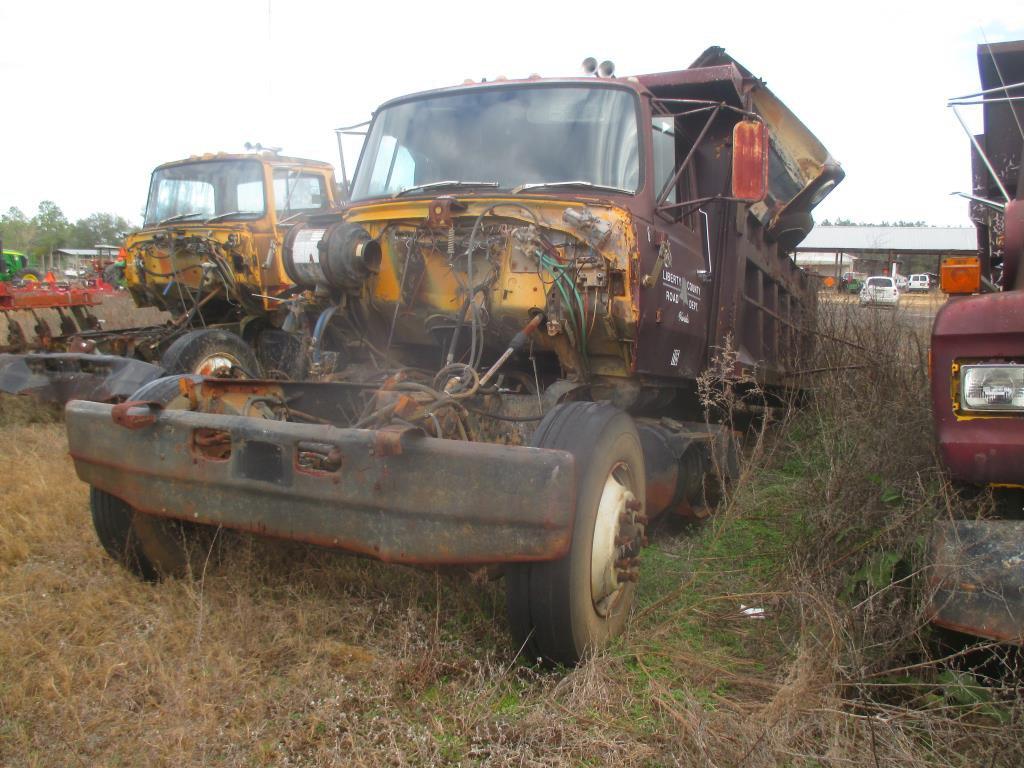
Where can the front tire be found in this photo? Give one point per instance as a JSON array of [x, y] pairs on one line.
[[563, 610], [212, 352], [150, 546]]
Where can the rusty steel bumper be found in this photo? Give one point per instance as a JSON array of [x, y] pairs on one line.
[[978, 578], [399, 497], [58, 377]]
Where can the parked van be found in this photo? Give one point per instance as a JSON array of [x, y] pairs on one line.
[[921, 283]]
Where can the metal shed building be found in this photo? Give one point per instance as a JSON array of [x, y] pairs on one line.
[[828, 251]]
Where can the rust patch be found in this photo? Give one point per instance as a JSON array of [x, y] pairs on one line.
[[121, 414], [388, 441]]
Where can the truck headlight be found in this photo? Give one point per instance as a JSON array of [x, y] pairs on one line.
[[992, 387]]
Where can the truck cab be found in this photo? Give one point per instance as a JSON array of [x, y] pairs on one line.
[[213, 228], [977, 360]]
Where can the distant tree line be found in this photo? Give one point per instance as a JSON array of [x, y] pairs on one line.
[[49, 230], [851, 223]]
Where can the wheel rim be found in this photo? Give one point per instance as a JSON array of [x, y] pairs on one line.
[[220, 365], [618, 532]]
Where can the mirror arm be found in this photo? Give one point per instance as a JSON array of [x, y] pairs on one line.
[[692, 205], [341, 156], [347, 130]]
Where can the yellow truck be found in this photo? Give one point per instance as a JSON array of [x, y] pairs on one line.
[[209, 253]]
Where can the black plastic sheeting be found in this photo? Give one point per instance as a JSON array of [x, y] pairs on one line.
[[59, 377]]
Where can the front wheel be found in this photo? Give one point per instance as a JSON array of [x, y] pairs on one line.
[[212, 352], [563, 610], [151, 546]]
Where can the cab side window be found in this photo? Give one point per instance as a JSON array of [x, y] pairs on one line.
[[670, 149], [664, 140], [298, 191]]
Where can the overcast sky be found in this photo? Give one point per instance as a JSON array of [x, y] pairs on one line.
[[95, 94]]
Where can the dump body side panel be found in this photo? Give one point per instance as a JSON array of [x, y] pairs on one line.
[[764, 304]]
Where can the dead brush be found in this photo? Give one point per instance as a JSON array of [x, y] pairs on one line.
[[826, 530], [852, 485]]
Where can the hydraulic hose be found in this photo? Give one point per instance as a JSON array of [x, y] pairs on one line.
[[318, 331]]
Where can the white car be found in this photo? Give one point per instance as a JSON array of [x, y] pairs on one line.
[[880, 291], [920, 282]]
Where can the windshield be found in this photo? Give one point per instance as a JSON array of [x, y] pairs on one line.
[[503, 137], [201, 190]]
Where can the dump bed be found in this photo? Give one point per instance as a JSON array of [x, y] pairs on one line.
[[762, 303]]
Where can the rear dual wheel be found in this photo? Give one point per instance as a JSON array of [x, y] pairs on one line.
[[563, 610]]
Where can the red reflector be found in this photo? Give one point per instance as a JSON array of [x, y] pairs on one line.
[[749, 160]]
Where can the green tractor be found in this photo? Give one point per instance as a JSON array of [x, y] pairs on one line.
[[14, 266]]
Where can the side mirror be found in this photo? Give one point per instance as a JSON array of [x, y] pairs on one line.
[[750, 161]]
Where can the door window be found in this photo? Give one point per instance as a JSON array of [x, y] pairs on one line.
[[664, 139]]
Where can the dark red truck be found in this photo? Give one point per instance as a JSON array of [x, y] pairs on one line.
[[977, 370]]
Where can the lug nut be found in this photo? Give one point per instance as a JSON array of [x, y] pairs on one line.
[[641, 520]]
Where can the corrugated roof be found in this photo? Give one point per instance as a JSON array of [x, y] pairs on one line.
[[900, 239], [818, 258], [102, 251]]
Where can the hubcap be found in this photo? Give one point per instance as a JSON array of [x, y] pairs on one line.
[[618, 534], [219, 365]]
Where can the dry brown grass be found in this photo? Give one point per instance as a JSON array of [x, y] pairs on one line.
[[287, 655]]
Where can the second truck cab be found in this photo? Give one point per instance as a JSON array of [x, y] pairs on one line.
[[213, 230]]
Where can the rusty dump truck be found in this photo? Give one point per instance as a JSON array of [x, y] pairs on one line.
[[509, 318], [977, 370], [209, 253]]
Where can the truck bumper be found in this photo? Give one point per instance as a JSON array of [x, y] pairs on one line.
[[978, 578], [984, 451], [396, 496], [58, 377]]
